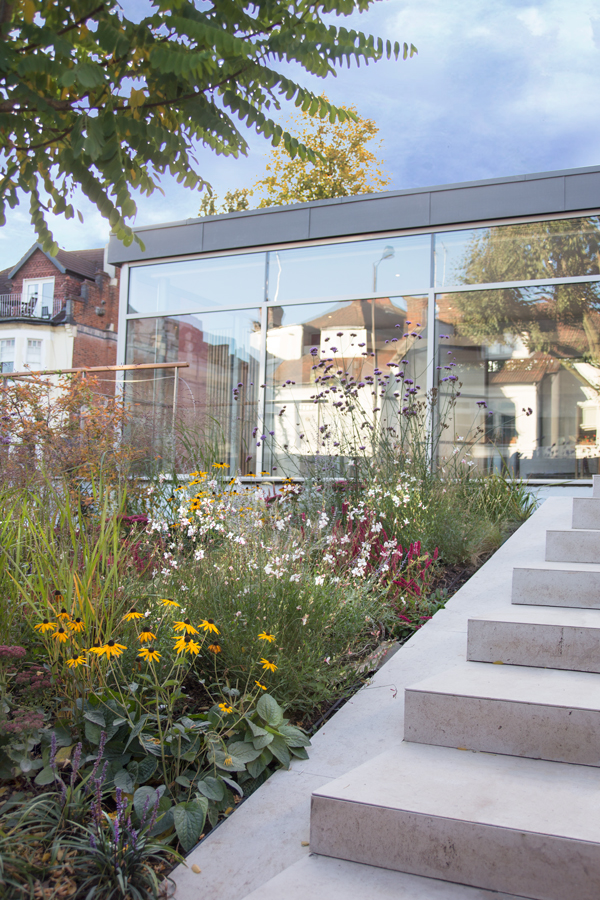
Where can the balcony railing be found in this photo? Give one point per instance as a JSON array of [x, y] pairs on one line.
[[18, 306]]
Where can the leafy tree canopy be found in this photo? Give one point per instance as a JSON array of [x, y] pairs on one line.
[[91, 98], [346, 163], [557, 248]]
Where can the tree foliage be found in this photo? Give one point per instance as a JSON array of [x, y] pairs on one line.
[[345, 162], [91, 98], [560, 248]]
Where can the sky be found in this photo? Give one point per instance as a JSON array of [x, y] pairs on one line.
[[497, 89]]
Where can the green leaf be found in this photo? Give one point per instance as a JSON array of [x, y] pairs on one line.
[[256, 768], [212, 788], [189, 818], [123, 779], [294, 737], [146, 769], [279, 749], [243, 751], [95, 715], [147, 795], [269, 710], [183, 781], [46, 776]]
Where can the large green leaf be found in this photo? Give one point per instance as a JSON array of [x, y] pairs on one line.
[[268, 709], [189, 819], [212, 788]]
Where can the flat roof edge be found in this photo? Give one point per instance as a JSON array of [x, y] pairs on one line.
[[540, 193]]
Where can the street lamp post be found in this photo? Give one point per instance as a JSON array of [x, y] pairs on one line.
[[388, 253]]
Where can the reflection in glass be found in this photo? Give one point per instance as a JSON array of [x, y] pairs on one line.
[[531, 359], [216, 401], [394, 265], [316, 354], [197, 284], [557, 248]]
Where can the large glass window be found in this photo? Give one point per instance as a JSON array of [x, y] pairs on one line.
[[391, 265], [335, 371], [557, 248], [529, 364], [216, 402], [197, 284]]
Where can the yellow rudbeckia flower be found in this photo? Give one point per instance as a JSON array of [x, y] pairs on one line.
[[45, 626], [209, 626], [147, 636], [149, 654], [185, 626], [268, 665], [76, 661]]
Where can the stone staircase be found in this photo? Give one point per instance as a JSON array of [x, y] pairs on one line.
[[496, 786]]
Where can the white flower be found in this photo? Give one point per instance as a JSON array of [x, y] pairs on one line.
[[305, 619], [319, 580], [295, 577]]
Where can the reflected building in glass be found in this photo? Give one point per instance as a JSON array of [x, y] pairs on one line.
[[282, 314]]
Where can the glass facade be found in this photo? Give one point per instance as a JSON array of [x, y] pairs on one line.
[[281, 343]]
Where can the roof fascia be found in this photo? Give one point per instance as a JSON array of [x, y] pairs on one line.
[[29, 254]]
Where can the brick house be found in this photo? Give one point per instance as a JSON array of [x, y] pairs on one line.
[[59, 312]]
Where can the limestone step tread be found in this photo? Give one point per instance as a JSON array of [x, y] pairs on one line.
[[573, 585], [525, 827], [517, 684], [573, 545], [523, 712], [553, 637], [562, 617], [323, 878], [586, 512]]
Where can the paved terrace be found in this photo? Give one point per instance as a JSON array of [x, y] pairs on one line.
[[530, 825]]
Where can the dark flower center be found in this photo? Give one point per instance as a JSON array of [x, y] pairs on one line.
[[111, 644]]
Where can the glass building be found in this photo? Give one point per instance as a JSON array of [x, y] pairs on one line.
[[501, 277]]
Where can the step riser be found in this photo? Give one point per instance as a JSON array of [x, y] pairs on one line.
[[573, 546], [538, 866], [595, 485], [527, 644], [552, 587], [586, 512], [534, 731]]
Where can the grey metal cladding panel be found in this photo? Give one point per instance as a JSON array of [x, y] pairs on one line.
[[375, 214], [254, 231], [175, 241], [582, 191], [518, 198]]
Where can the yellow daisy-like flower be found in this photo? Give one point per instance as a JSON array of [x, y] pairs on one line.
[[209, 625], [76, 661], [61, 635], [268, 665], [147, 636], [185, 626], [111, 648], [167, 602], [45, 626], [225, 708], [132, 614], [214, 648], [261, 686], [58, 596], [149, 654], [63, 614], [97, 649], [179, 645], [265, 636], [191, 646], [76, 625]]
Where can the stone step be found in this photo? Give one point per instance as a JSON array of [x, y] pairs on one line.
[[547, 637], [534, 713], [573, 546], [525, 827], [323, 878], [595, 485], [586, 512], [551, 584]]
